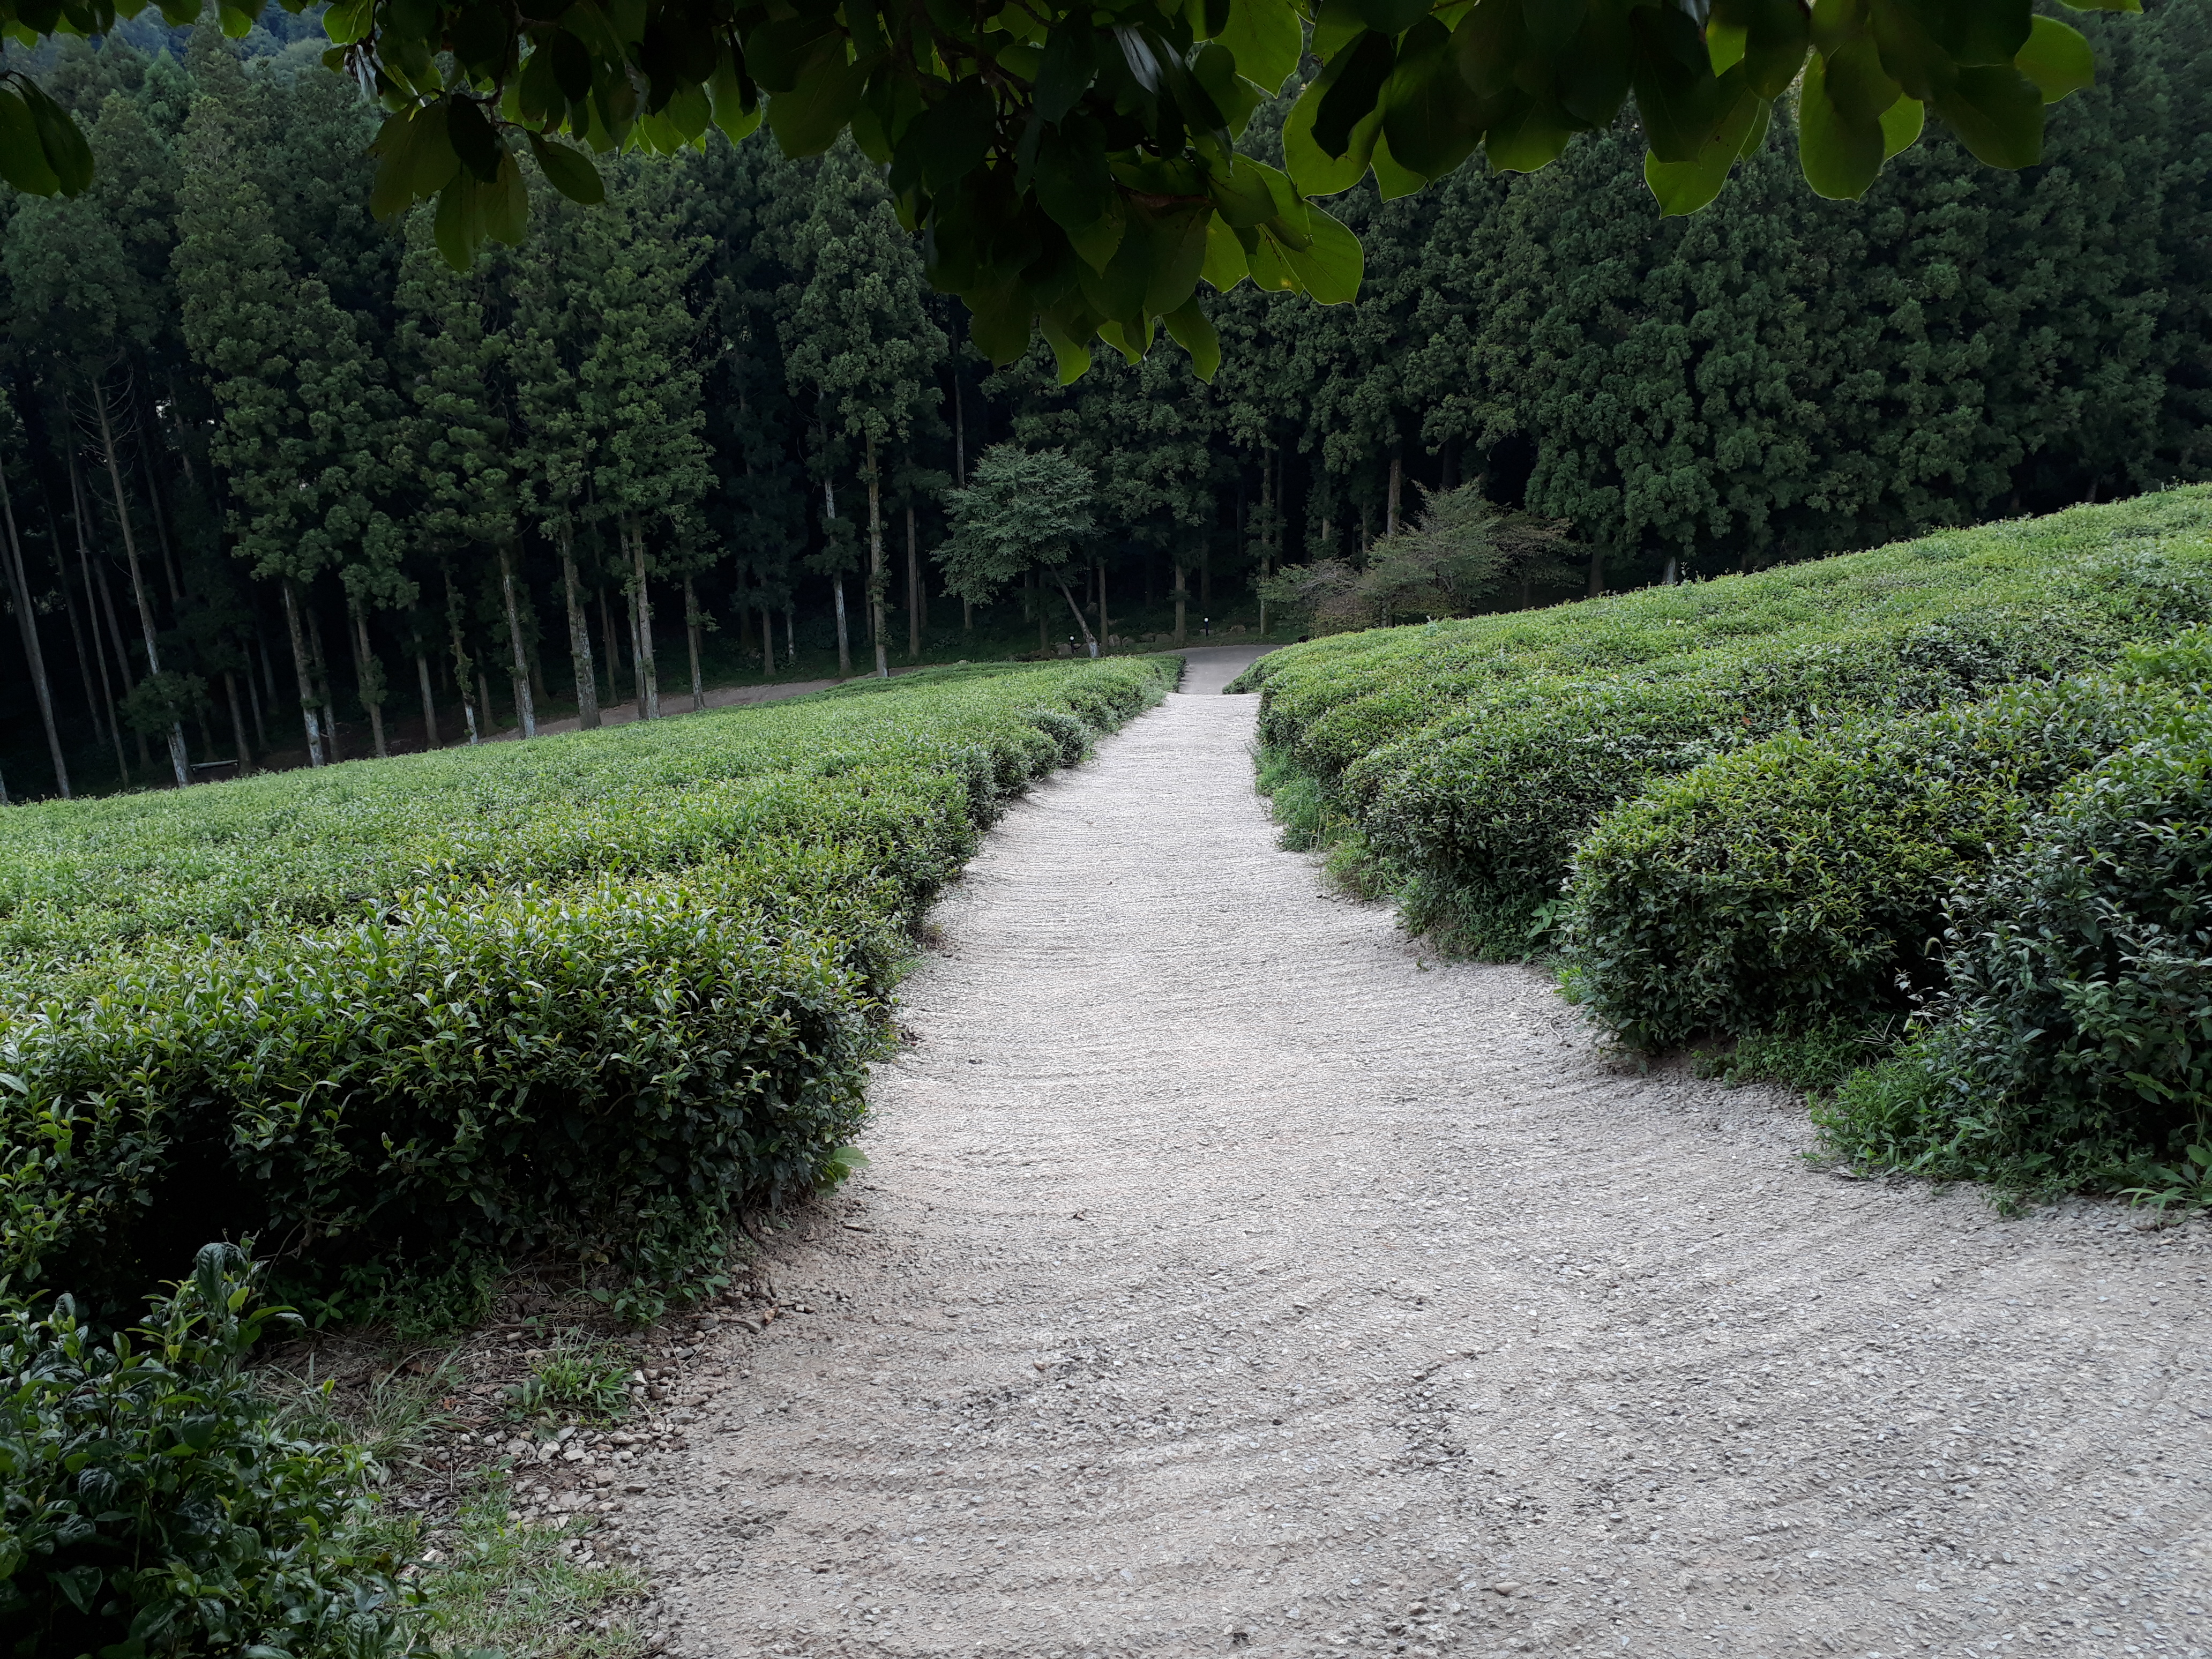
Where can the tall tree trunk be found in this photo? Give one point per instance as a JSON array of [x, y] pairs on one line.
[[1183, 600], [237, 724], [179, 762], [1397, 484], [368, 676], [526, 706], [305, 671], [580, 636], [613, 650], [154, 493], [648, 676], [876, 567], [913, 590], [19, 580], [1089, 640], [1034, 581], [254, 702], [464, 670], [429, 702], [483, 701], [767, 640], [102, 603], [330, 699], [790, 633], [967, 615], [959, 431], [836, 585], [691, 642], [1105, 627]]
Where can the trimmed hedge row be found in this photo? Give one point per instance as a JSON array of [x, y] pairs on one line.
[[2074, 1044], [617, 1057], [1473, 756], [287, 851], [1802, 882]]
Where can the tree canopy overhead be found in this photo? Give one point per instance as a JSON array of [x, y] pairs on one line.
[[1074, 168]]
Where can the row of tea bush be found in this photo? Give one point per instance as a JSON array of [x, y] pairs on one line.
[[1798, 809], [591, 991]]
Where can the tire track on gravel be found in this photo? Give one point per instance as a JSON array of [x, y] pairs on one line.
[[1236, 1276]]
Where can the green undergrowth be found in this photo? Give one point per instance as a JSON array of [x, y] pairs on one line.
[[1473, 756], [402, 1019]]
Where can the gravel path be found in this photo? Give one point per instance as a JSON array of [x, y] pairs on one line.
[[1230, 1275]]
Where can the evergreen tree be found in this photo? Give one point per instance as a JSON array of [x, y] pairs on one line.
[[860, 339]]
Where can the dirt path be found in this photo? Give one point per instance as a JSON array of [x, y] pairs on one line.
[[1230, 1275]]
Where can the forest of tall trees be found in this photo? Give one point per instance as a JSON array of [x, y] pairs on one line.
[[282, 488]]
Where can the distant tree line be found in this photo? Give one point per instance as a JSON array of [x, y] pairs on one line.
[[278, 481]]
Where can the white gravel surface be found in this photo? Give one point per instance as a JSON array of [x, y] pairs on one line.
[[1231, 1274]]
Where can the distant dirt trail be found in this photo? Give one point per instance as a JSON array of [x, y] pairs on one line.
[[1232, 1276]]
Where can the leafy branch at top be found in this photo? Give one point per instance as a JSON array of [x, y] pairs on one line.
[[1071, 167]]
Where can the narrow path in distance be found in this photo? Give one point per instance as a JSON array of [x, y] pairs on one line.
[[1232, 1276]]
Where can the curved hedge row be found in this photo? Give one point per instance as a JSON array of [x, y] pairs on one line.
[[2075, 1042], [1803, 881], [1473, 756], [874, 760], [608, 1057]]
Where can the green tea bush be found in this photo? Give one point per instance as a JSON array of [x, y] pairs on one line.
[[293, 850], [2074, 1045], [1801, 884], [152, 1504], [607, 1061], [1474, 757]]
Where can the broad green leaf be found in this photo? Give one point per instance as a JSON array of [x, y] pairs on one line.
[[1226, 263], [1527, 134], [2104, 5], [1391, 16], [736, 112], [1973, 32], [1313, 173], [1431, 119], [1265, 36], [568, 172], [1072, 354], [1900, 126], [1841, 155], [1069, 65], [1329, 268], [1074, 188], [1683, 188], [1350, 88], [1682, 103], [458, 226], [807, 119], [1177, 244], [1391, 181], [68, 156], [1997, 113], [1193, 331], [2058, 59], [949, 140], [348, 21], [1553, 24], [23, 158], [472, 137]]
